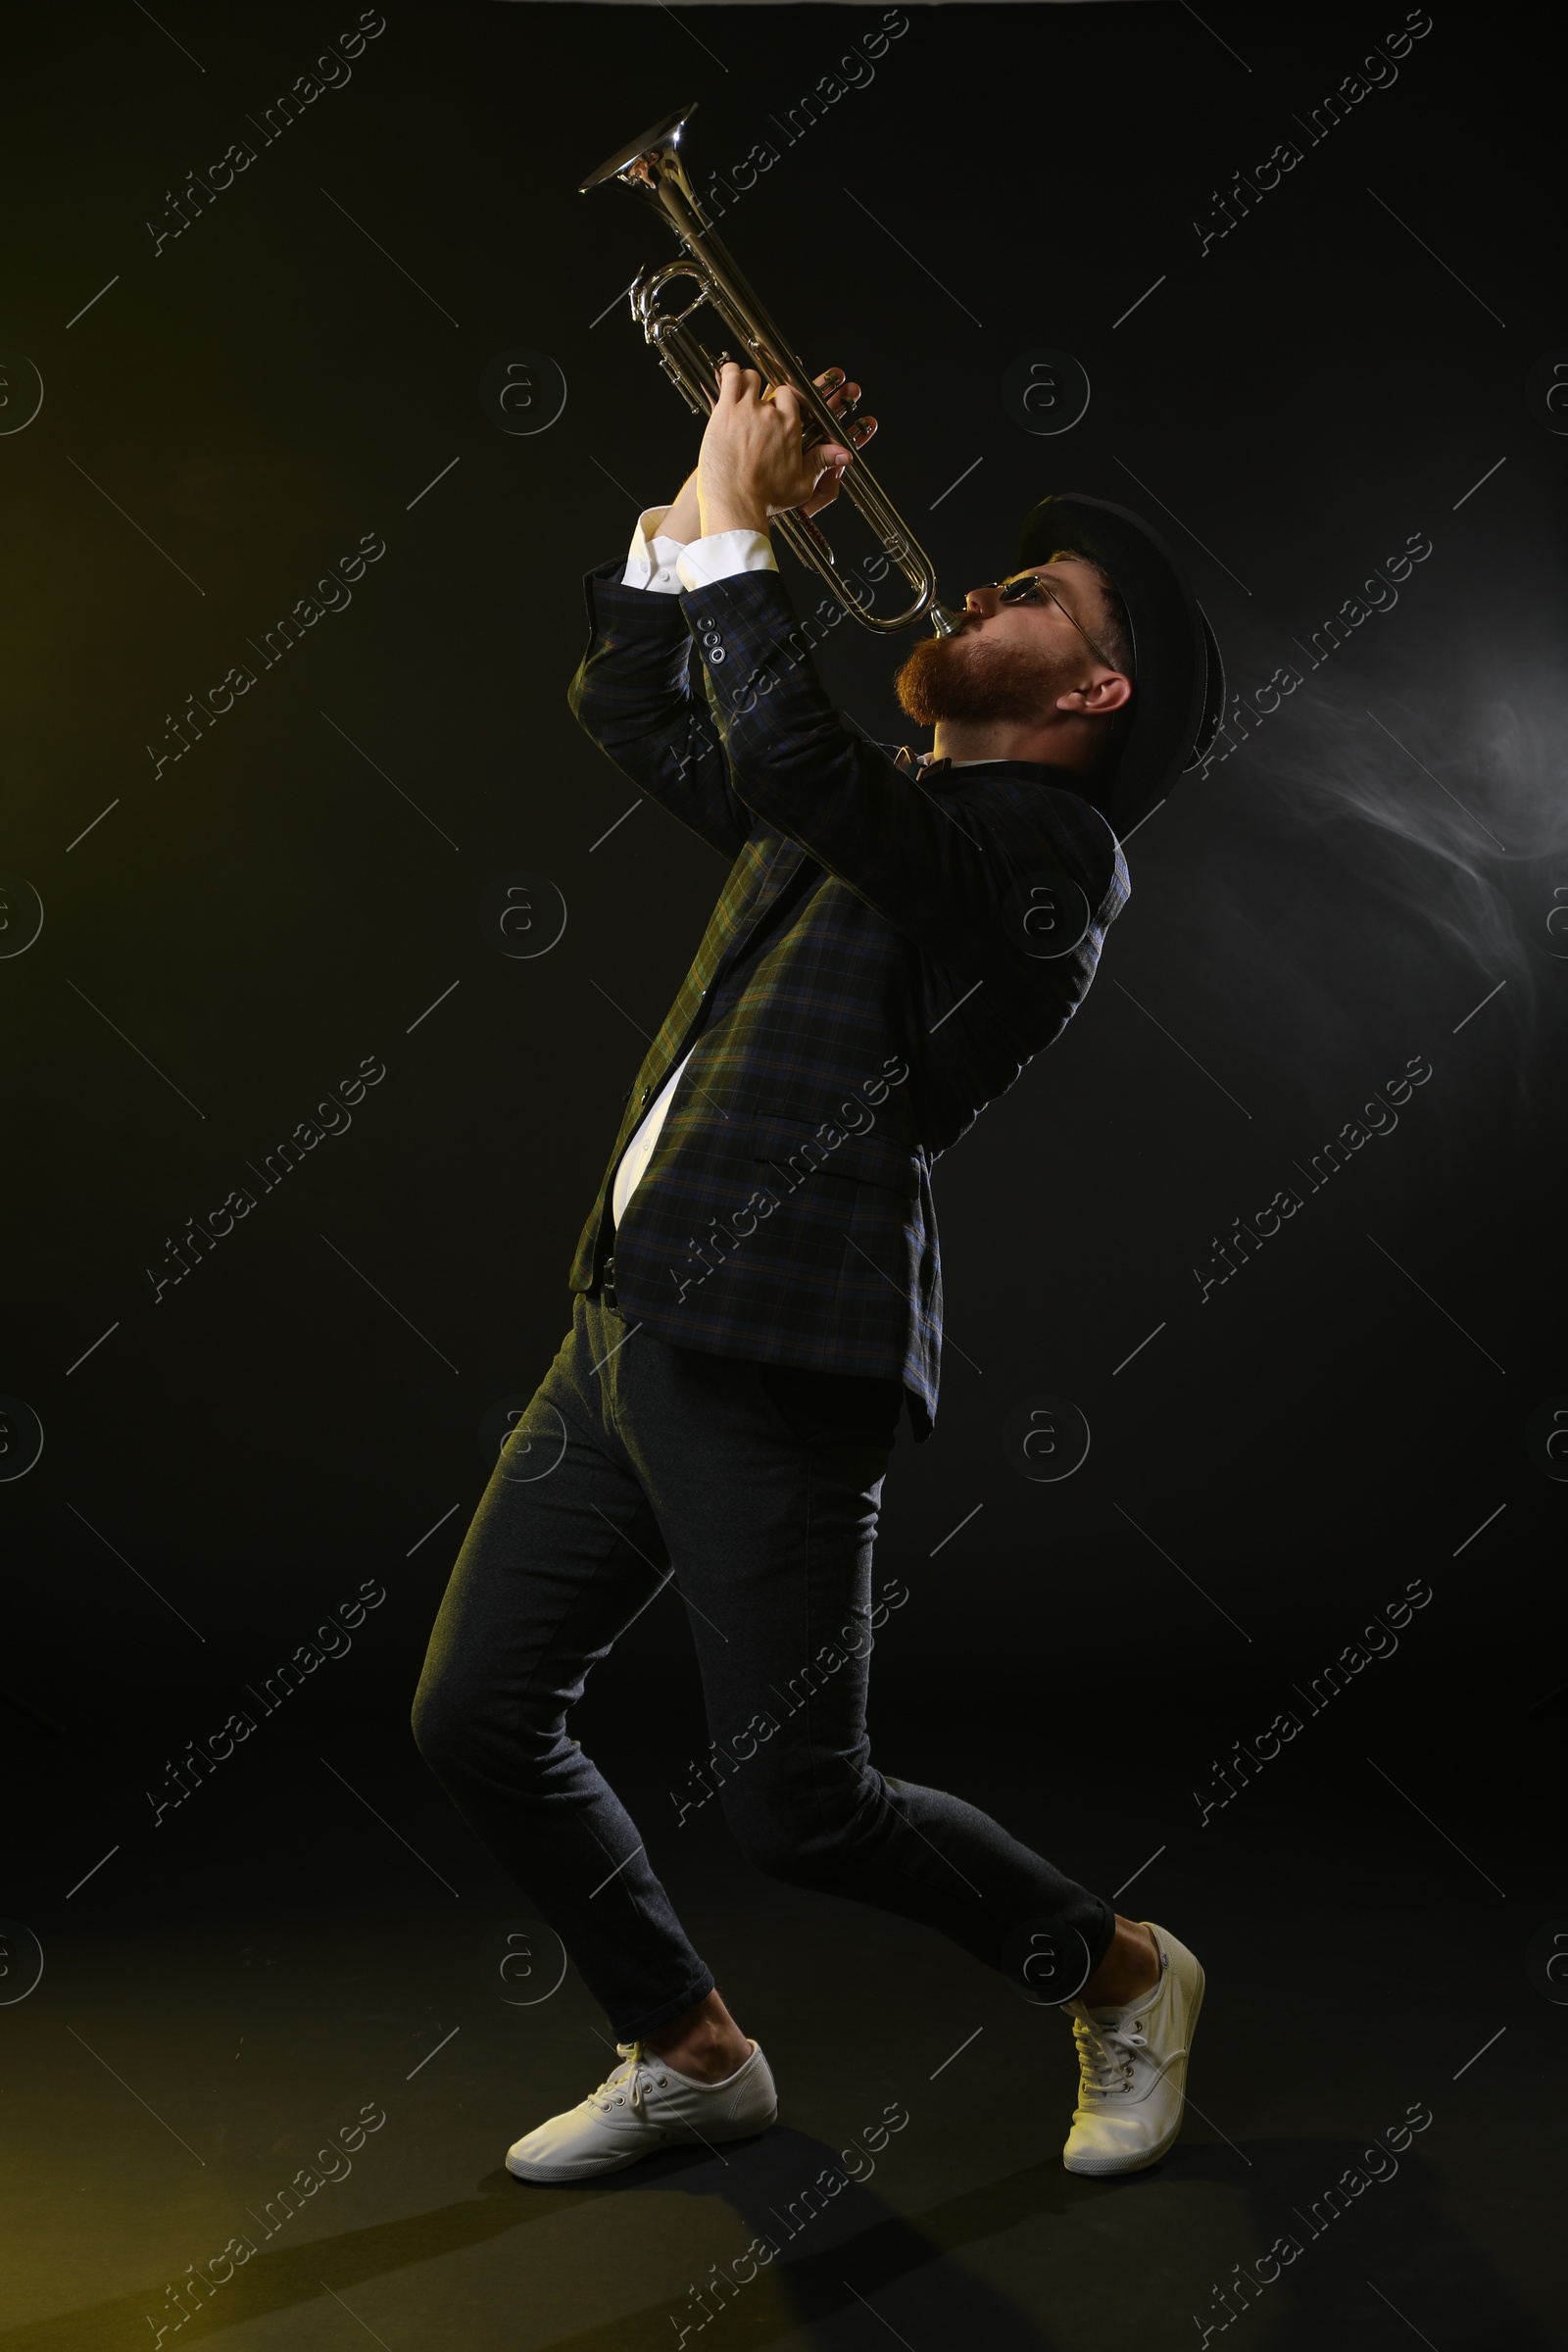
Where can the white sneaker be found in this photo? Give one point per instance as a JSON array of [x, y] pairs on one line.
[[1133, 2068], [646, 2104]]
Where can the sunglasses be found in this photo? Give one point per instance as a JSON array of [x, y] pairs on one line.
[[1028, 588]]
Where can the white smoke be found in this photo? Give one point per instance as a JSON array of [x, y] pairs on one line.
[[1396, 845]]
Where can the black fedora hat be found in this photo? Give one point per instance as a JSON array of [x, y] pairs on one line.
[[1179, 691]]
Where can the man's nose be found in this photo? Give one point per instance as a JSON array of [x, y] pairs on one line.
[[983, 601]]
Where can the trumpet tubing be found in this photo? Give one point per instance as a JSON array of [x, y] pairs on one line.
[[651, 167]]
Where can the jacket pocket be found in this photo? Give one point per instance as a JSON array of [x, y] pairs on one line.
[[867, 1156]]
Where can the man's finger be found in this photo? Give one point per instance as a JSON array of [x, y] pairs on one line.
[[736, 386], [836, 390]]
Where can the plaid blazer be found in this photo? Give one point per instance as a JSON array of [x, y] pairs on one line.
[[870, 978]]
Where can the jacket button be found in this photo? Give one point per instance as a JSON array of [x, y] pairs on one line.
[[647, 1091]]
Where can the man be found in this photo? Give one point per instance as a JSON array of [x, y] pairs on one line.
[[759, 1287]]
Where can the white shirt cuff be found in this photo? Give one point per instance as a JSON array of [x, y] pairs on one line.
[[650, 562], [723, 553], [667, 566]]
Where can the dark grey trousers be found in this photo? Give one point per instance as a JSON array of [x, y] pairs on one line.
[[757, 1489]]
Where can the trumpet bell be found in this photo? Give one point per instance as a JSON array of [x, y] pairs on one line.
[[651, 144]]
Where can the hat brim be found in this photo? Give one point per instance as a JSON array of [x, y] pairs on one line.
[[1179, 692]]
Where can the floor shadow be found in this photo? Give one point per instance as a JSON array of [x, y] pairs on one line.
[[858, 2238], [833, 2252], [1393, 2251]]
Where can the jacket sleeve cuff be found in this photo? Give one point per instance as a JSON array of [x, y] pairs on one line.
[[614, 607]]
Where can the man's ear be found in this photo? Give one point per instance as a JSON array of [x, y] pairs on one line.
[[1113, 693], [1117, 695]]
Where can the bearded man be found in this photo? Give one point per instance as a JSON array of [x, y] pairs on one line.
[[757, 1287]]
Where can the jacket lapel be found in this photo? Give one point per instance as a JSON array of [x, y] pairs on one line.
[[784, 867]]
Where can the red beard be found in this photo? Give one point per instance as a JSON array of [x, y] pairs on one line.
[[962, 678]]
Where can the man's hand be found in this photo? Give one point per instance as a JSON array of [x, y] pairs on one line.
[[752, 465], [837, 394], [683, 520]]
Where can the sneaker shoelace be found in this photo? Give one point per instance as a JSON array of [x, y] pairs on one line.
[[1106, 2054], [624, 2085]]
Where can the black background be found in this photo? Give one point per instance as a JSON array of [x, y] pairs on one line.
[[240, 929]]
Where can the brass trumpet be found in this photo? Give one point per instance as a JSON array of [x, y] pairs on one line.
[[652, 166]]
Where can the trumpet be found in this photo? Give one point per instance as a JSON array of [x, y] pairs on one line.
[[651, 167]]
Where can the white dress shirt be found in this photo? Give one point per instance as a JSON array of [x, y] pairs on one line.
[[640, 1151]]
